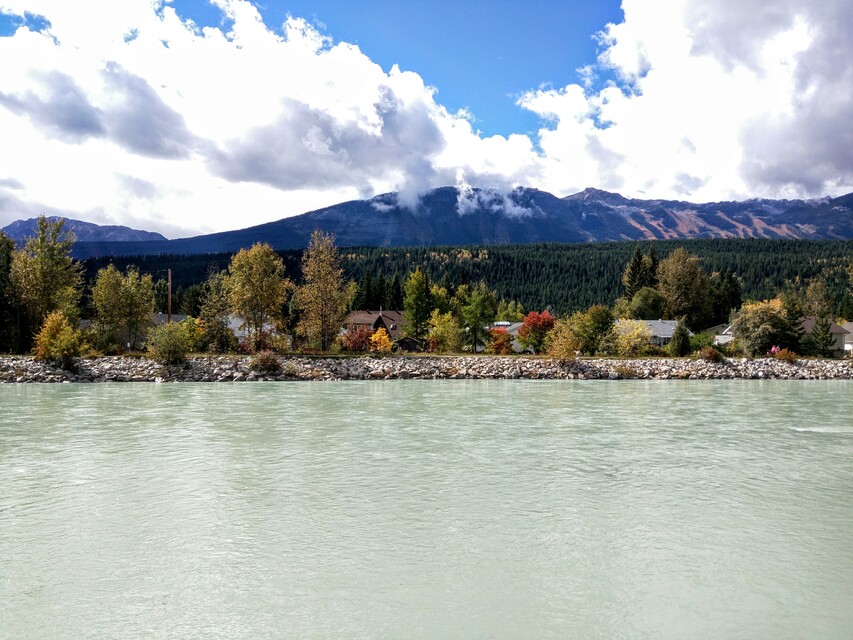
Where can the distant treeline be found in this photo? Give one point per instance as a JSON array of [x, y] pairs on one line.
[[560, 277]]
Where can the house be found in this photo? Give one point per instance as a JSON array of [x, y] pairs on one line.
[[237, 325], [662, 331], [391, 321], [162, 318], [512, 329], [724, 337], [848, 339], [838, 333], [842, 336], [716, 330]]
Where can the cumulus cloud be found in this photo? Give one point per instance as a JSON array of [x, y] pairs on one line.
[[140, 121], [307, 147], [471, 199], [127, 112], [730, 100], [62, 109]]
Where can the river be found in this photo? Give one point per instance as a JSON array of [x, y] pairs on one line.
[[440, 509]]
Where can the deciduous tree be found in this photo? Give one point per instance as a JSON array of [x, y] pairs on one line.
[[647, 304], [445, 335], [563, 342], [214, 312], [533, 333], [45, 276], [380, 342], [760, 326], [590, 327], [632, 337], [477, 313], [684, 286], [257, 288], [323, 297], [417, 304], [123, 303], [501, 341], [509, 311], [357, 339], [58, 341]]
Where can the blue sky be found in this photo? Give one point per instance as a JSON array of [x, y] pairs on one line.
[[479, 55], [190, 116]]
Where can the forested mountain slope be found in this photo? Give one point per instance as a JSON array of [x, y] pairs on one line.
[[448, 216]]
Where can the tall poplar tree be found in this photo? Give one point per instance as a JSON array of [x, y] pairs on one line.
[[257, 288], [123, 303], [685, 288], [324, 296], [45, 276]]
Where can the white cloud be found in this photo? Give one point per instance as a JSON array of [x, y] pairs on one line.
[[123, 113], [709, 101]]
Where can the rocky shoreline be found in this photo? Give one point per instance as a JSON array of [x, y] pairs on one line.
[[22, 369]]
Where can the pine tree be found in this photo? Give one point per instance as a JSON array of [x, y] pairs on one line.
[[679, 344], [633, 277], [651, 272], [364, 293], [8, 300], [380, 292], [821, 340], [791, 334], [395, 301], [417, 305]]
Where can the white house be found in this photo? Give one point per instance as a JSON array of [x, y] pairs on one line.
[[848, 339]]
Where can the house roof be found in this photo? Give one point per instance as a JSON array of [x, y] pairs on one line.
[[661, 328], [809, 323], [393, 320], [511, 327], [366, 316], [163, 318], [849, 327]]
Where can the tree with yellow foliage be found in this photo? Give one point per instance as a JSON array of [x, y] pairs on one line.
[[380, 342], [257, 288], [324, 296]]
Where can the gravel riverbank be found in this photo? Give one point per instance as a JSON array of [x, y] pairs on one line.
[[22, 369]]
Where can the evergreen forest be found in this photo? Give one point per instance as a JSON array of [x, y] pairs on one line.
[[560, 277]]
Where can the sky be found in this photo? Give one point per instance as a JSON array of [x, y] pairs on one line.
[[193, 116]]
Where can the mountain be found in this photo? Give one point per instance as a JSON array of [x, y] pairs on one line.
[[20, 230], [448, 216]]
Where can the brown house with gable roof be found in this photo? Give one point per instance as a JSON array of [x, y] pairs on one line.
[[391, 321]]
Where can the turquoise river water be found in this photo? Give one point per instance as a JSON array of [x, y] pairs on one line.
[[439, 509]]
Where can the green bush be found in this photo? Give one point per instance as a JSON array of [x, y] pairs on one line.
[[700, 341], [679, 345], [58, 341], [265, 362], [169, 343]]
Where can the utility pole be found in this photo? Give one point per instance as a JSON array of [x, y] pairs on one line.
[[169, 296]]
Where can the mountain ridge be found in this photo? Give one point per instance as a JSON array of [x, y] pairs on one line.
[[475, 216], [20, 230]]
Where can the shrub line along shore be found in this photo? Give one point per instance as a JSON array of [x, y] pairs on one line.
[[24, 369]]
